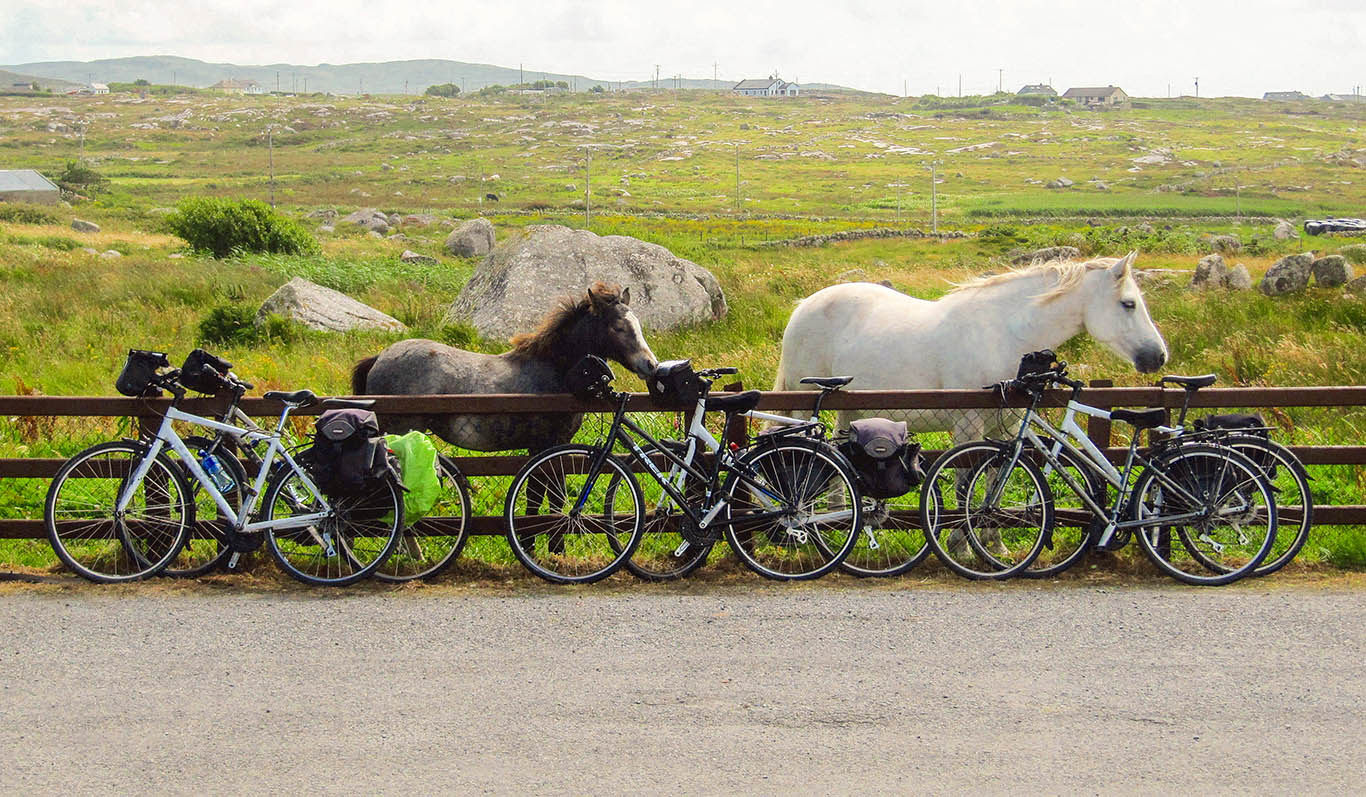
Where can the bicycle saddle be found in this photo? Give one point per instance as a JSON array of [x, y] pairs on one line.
[[827, 381], [1141, 419], [734, 402], [1191, 382], [300, 397]]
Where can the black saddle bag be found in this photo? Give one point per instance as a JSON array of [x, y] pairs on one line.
[[887, 464], [1245, 424], [348, 456]]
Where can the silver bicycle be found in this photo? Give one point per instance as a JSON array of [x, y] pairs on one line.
[[124, 510]]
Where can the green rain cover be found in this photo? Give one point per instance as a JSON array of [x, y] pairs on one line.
[[417, 462]]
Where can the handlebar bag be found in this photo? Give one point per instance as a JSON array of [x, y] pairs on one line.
[[139, 370], [210, 380], [589, 377], [674, 385], [887, 464], [1037, 362], [1241, 423]]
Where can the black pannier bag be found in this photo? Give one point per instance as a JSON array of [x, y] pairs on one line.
[[1241, 423], [1037, 362], [197, 377], [589, 378], [888, 466], [139, 370], [674, 385], [348, 456]]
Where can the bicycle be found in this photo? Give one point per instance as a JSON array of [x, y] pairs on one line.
[[1284, 470], [123, 510], [788, 506], [990, 508]]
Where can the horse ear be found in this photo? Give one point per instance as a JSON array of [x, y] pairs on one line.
[[625, 295], [1124, 267], [592, 302]]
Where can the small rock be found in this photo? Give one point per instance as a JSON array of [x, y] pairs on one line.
[[1284, 231], [80, 225], [370, 219], [570, 187], [1101, 185], [1290, 274], [1228, 244], [1210, 273], [1047, 254], [852, 275], [1355, 254], [409, 256], [474, 238], [176, 255], [1357, 285], [90, 251], [1061, 182], [398, 236], [111, 253], [325, 215], [375, 234], [326, 228], [395, 219], [1238, 279], [1332, 271]]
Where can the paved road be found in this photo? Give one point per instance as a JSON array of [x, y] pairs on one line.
[[1072, 689]]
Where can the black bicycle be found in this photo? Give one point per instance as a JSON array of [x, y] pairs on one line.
[[788, 505]]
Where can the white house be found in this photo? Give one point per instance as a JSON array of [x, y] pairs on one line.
[[772, 86], [231, 86], [99, 88]]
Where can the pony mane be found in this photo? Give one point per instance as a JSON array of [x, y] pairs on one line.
[[544, 343], [1068, 272]]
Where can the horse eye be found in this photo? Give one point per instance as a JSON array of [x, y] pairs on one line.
[[1128, 304]]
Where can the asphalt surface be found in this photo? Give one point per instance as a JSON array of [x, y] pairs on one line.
[[981, 688]]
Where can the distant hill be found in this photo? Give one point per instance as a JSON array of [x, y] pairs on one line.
[[388, 77], [9, 80]]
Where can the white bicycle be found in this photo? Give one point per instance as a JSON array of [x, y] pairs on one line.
[[123, 510]]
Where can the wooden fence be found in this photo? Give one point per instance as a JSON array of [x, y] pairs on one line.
[[1099, 394]]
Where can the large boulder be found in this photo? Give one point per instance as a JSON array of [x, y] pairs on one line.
[[1284, 231], [323, 309], [1227, 244], [1210, 273], [409, 256], [1047, 254], [81, 225], [1290, 274], [369, 219], [1238, 279], [1355, 254], [1061, 182], [525, 276], [474, 238], [1332, 271]]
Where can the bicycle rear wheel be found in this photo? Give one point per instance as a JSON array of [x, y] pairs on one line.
[[664, 553], [1071, 537], [359, 532], [433, 542], [1234, 509], [206, 548], [793, 510], [568, 525], [98, 543], [985, 520], [1294, 500], [891, 541]]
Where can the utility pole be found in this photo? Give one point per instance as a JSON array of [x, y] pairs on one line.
[[1197, 88], [714, 81], [521, 77], [905, 86], [362, 85], [305, 85], [1000, 80], [173, 77], [462, 85], [405, 87], [277, 82], [960, 84], [656, 84], [270, 148]]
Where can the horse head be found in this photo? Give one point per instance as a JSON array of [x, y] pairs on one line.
[[1116, 315], [613, 330]]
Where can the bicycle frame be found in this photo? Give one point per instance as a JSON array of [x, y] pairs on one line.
[[166, 436], [1088, 453]]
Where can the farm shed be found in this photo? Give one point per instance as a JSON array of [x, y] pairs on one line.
[[27, 185], [1037, 90], [1106, 95]]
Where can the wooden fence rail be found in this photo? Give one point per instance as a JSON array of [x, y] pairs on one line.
[[1098, 395]]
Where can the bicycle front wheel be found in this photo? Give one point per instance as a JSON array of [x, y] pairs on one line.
[[433, 542], [358, 532], [570, 523], [986, 517], [891, 541], [793, 510], [1211, 513], [97, 542]]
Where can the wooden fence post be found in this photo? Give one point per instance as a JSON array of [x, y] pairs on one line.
[[1098, 429]]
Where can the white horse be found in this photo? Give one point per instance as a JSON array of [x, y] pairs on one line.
[[973, 336]]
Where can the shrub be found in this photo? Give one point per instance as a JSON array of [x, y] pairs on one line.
[[235, 325], [81, 179], [25, 214], [224, 226], [443, 90]]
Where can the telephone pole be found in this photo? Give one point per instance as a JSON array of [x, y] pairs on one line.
[[656, 83], [521, 77], [1197, 88], [270, 148], [714, 81], [1000, 80], [277, 82], [960, 84]]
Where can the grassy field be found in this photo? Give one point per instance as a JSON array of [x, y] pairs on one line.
[[663, 169]]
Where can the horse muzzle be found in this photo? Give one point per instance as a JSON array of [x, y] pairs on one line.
[[1149, 359]]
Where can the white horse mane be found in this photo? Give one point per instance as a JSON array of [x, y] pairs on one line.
[[1068, 272]]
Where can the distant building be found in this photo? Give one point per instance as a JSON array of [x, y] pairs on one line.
[[1108, 96], [232, 86], [1344, 97], [1037, 90], [99, 88], [1285, 96], [771, 86], [27, 185]]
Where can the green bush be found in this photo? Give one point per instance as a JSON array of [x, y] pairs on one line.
[[443, 90], [223, 227], [81, 179], [235, 325], [25, 214]]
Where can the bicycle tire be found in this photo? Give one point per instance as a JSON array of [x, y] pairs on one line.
[[349, 545], [892, 541], [1287, 476], [83, 528], [1215, 476], [567, 547], [428, 546], [805, 477], [953, 534], [1069, 544], [206, 548], [664, 554]]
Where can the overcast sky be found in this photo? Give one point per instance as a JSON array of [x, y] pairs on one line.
[[1244, 47]]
